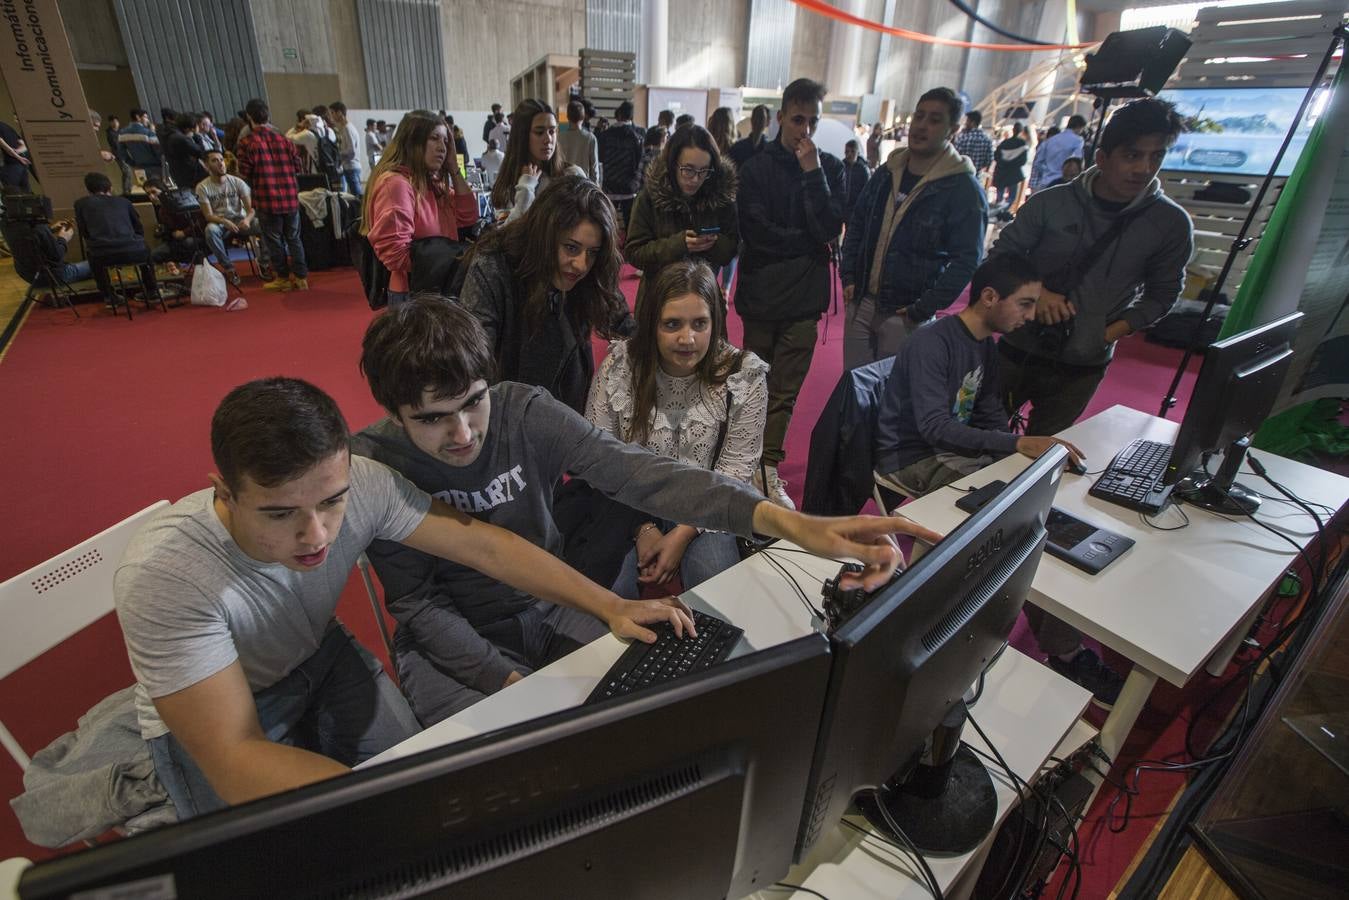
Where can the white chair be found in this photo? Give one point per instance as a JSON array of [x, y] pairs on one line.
[[52, 601]]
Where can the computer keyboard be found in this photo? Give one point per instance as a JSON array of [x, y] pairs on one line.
[[1134, 477], [670, 657]]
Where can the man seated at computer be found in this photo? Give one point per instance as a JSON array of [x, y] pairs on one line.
[[498, 453], [247, 685], [941, 417]]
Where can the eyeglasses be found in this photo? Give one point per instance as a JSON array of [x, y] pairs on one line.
[[694, 174]]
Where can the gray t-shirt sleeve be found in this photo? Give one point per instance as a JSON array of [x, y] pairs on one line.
[[395, 505], [175, 635]]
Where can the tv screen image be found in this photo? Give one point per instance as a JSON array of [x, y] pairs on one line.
[[1237, 131]]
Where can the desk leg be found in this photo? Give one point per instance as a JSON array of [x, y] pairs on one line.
[[1217, 663], [1132, 697]]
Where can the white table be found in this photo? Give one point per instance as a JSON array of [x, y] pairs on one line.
[[1026, 709], [1176, 599]]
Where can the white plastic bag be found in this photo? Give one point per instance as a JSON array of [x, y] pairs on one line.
[[208, 286]]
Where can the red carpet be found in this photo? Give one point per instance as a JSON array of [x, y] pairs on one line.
[[106, 416]]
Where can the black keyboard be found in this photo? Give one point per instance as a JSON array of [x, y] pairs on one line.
[[670, 657], [1134, 477]]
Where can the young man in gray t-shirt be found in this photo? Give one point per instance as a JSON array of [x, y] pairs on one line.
[[246, 684], [498, 453]]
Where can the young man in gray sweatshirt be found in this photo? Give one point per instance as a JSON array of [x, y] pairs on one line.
[[498, 454], [1093, 299], [941, 417]]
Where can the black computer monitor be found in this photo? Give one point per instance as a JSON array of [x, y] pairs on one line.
[[1237, 386], [691, 789], [904, 660]]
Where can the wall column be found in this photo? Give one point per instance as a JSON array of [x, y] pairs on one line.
[[653, 63]]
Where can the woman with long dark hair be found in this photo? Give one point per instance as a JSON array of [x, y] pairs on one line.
[[722, 128], [541, 285], [416, 191], [681, 391], [533, 158], [686, 209]]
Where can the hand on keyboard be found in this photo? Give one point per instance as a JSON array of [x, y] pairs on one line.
[[629, 617]]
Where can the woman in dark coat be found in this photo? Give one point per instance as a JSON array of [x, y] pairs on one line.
[[686, 209]]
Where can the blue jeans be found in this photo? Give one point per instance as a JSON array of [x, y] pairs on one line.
[[710, 553], [215, 239], [67, 272], [281, 234], [338, 702], [397, 298], [351, 180]]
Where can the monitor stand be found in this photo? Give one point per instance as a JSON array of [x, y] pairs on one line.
[[946, 805], [1220, 493]]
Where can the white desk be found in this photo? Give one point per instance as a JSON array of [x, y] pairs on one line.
[[1026, 709], [1176, 599]]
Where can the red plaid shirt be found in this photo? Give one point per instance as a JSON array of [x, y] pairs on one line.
[[268, 161]]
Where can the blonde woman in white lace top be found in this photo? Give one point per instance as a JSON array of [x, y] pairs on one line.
[[676, 390]]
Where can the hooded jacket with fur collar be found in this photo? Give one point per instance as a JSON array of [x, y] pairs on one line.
[[661, 214]]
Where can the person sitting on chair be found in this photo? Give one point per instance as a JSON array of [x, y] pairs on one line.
[[175, 229], [941, 417], [113, 235], [227, 206], [39, 247]]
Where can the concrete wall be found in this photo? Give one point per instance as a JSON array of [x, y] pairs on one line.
[[810, 47], [707, 42], [311, 53], [488, 42]]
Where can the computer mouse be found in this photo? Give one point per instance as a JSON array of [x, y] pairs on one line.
[[1075, 468]]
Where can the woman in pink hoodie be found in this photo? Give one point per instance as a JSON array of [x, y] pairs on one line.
[[416, 191]]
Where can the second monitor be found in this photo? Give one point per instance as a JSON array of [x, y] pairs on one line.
[[905, 658]]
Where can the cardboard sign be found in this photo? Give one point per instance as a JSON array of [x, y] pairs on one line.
[[39, 69]]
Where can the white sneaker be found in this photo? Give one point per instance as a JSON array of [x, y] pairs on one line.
[[776, 489]]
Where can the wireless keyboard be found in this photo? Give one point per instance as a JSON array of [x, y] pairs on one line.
[[670, 657], [1134, 477]]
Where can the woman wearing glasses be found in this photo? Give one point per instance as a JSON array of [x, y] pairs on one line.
[[685, 211]]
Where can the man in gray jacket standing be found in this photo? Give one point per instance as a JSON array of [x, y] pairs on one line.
[[1112, 248]]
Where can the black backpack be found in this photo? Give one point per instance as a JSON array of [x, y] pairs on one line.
[[329, 161]]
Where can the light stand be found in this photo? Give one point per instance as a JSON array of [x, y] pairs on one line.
[[1241, 241]]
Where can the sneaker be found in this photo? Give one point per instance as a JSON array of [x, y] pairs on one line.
[[776, 489], [276, 284], [299, 284], [233, 278], [1087, 670]]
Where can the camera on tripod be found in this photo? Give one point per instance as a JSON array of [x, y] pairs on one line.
[[30, 209]]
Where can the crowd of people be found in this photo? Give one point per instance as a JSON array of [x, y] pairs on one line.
[[492, 393]]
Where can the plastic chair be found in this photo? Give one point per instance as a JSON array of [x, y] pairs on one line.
[[52, 601]]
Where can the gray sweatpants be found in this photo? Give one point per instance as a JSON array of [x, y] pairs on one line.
[[539, 635]]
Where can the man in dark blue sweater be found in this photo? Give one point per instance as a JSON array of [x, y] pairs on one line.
[[942, 418]]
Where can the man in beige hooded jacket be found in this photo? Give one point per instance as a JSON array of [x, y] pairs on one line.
[[914, 237]]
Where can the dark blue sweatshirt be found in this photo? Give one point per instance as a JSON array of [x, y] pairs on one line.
[[942, 396]]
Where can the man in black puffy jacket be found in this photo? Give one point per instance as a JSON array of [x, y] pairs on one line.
[[791, 209]]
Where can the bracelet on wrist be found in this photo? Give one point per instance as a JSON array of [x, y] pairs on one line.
[[641, 531]]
